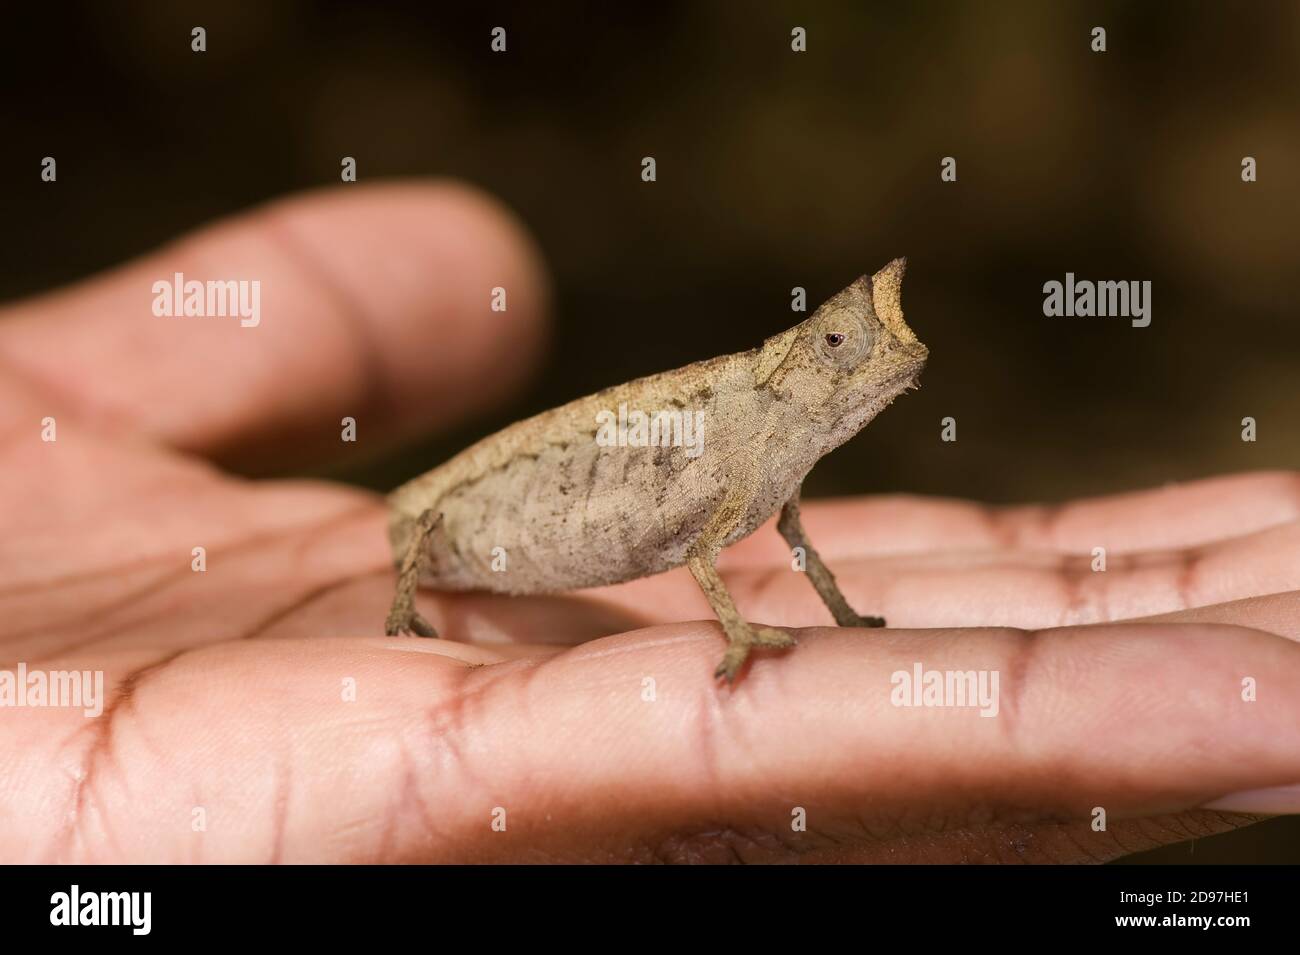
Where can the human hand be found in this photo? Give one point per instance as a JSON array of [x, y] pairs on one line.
[[230, 734]]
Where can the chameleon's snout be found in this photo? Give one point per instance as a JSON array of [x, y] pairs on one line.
[[909, 361], [909, 351]]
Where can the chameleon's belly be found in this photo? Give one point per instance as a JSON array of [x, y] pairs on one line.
[[581, 515]]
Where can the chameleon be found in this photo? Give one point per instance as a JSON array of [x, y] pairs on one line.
[[570, 511]]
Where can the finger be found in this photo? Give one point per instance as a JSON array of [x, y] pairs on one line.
[[1081, 725], [374, 303], [990, 588], [626, 748], [1176, 516], [1273, 613], [935, 563]]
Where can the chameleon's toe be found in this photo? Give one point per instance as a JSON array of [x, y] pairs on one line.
[[732, 661], [737, 653], [770, 637], [409, 622], [861, 621]]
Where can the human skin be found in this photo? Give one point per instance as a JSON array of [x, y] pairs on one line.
[[227, 687]]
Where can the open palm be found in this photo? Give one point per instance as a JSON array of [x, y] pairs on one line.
[[256, 712]]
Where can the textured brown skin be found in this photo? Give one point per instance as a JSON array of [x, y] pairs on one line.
[[570, 513]]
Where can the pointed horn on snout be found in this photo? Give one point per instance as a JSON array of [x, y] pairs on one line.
[[887, 293]]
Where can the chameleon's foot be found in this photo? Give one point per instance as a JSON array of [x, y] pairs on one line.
[[860, 621], [740, 643], [407, 620], [773, 638]]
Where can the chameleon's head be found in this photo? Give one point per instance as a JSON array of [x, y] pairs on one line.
[[851, 358]]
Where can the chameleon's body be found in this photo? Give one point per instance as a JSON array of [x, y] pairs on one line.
[[566, 511]]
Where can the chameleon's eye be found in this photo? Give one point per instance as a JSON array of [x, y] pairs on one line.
[[843, 341]]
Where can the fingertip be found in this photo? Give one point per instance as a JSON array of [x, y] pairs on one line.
[[451, 284]]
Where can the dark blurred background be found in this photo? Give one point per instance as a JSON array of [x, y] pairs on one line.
[[775, 169]]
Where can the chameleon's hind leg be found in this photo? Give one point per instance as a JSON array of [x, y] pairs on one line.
[[791, 528], [403, 617], [741, 635]]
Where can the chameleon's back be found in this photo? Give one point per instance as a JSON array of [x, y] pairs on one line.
[[575, 497]]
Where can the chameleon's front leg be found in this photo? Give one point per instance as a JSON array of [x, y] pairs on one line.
[[741, 636], [823, 580]]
